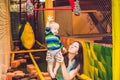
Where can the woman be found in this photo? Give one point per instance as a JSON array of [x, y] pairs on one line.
[[71, 63]]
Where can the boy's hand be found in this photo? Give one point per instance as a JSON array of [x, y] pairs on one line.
[[64, 50], [50, 18]]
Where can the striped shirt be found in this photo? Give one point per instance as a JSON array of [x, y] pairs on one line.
[[52, 41]]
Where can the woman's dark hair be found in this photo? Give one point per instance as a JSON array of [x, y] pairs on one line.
[[78, 58]]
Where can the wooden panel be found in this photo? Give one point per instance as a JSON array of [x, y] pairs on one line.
[[83, 24], [64, 18]]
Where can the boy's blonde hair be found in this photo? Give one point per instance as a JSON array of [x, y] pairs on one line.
[[54, 24]]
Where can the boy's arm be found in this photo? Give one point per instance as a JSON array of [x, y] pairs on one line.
[[50, 18], [47, 27], [62, 47]]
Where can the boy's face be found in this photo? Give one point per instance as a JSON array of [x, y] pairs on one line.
[[54, 29]]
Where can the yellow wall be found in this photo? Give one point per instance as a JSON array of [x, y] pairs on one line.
[[116, 38]]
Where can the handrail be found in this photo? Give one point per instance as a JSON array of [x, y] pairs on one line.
[[36, 66], [25, 51], [40, 44]]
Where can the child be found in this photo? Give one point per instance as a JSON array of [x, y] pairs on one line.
[[54, 46]]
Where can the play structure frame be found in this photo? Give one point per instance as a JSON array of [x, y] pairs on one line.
[[31, 51]]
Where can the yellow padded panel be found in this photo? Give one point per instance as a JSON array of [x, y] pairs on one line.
[[27, 37]]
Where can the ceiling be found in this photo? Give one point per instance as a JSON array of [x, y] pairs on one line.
[[84, 4]]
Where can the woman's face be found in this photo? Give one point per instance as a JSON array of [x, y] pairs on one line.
[[73, 48]]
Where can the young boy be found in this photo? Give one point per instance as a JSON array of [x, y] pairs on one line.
[[54, 46]]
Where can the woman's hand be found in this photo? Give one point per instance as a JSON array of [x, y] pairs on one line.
[[60, 59], [48, 56]]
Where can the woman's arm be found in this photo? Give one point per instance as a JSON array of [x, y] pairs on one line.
[[69, 75]]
